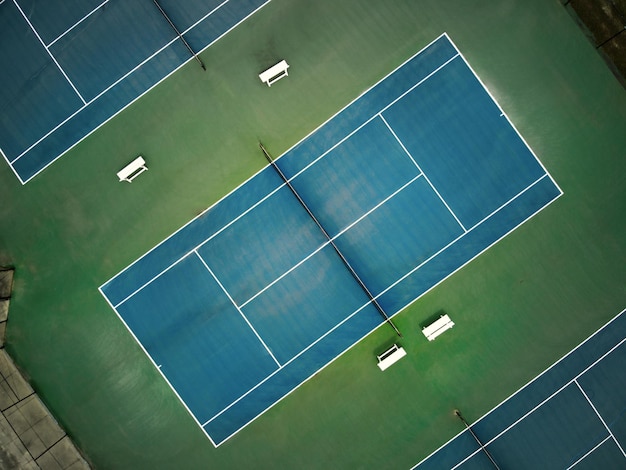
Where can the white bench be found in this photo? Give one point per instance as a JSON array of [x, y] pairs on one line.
[[132, 170], [390, 356], [436, 328], [274, 73]]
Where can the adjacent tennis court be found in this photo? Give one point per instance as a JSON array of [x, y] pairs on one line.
[[74, 65], [411, 181], [571, 416]]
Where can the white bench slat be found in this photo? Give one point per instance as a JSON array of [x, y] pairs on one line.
[[132, 170], [437, 327], [390, 357], [275, 73]]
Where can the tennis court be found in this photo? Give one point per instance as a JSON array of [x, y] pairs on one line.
[[411, 181], [74, 65], [570, 416]]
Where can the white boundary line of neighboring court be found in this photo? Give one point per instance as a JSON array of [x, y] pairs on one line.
[[599, 415], [399, 310], [591, 451], [107, 89], [606, 325], [543, 402], [134, 99]]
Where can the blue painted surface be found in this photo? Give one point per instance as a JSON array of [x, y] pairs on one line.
[[559, 418], [51, 18], [387, 196], [113, 57]]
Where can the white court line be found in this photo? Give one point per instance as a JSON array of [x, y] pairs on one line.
[[463, 235], [339, 324], [535, 408], [238, 309], [601, 419], [422, 172], [204, 18], [157, 367], [4, 155], [503, 112], [367, 121], [589, 453], [125, 106], [79, 22], [333, 238], [49, 53]]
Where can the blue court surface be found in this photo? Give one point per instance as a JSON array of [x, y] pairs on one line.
[[68, 66], [412, 180], [573, 415]]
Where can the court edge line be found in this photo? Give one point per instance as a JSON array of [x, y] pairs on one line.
[[102, 93], [135, 99], [339, 234], [157, 367], [238, 308], [600, 417], [11, 166], [48, 51], [503, 112], [540, 404], [265, 167], [419, 168], [582, 343], [589, 452], [78, 22], [351, 315]]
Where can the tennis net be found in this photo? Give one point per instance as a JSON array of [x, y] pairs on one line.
[[331, 241], [180, 36]]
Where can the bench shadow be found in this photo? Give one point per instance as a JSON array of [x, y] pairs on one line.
[[432, 318]]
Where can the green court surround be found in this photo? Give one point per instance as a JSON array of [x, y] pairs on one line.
[[517, 308]]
